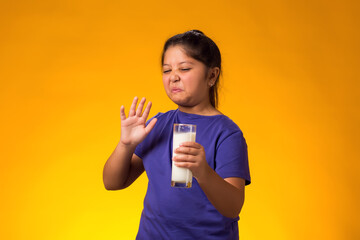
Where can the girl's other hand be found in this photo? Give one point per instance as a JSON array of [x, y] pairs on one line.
[[192, 155], [133, 127]]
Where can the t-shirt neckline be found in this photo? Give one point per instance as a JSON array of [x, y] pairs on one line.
[[192, 115]]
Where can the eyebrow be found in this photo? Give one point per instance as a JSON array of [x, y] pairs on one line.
[[180, 63]]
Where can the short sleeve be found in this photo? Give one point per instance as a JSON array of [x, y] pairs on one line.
[[138, 151], [232, 157], [139, 148]]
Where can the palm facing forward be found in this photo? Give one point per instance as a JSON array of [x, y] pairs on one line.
[[133, 128]]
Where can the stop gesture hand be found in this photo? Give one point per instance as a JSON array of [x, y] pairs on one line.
[[133, 127]]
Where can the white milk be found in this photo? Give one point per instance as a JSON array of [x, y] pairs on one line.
[[181, 175]]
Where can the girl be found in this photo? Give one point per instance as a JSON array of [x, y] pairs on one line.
[[191, 65]]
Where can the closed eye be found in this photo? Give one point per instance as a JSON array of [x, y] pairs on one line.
[[185, 69], [166, 71]]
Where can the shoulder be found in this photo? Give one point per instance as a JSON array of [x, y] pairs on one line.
[[164, 120], [163, 117], [228, 130], [161, 128], [227, 126]]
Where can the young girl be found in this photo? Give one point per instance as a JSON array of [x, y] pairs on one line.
[[218, 159]]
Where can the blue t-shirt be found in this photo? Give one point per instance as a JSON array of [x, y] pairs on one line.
[[186, 213]]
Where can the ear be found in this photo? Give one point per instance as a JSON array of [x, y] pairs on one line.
[[213, 75]]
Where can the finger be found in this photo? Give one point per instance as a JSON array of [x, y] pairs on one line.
[[122, 113], [183, 165], [147, 110], [140, 107], [184, 158], [187, 150], [191, 144], [133, 107], [150, 126]]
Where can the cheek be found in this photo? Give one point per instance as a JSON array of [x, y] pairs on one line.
[[194, 82], [165, 80]]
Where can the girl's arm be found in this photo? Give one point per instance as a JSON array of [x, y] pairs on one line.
[[123, 167], [227, 195]]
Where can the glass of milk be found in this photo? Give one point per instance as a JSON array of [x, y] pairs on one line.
[[182, 177]]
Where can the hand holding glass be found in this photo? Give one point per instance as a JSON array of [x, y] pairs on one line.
[[182, 177]]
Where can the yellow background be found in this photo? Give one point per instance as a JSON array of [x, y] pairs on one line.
[[290, 81]]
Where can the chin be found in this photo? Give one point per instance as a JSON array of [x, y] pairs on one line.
[[183, 103], [180, 101]]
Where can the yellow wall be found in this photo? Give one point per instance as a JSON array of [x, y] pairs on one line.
[[290, 81]]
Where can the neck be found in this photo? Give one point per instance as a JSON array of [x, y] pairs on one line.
[[206, 110]]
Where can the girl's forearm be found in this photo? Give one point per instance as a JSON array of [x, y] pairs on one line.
[[117, 167], [225, 197]]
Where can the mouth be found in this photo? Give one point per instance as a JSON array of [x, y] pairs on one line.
[[176, 90]]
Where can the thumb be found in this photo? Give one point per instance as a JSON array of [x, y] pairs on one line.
[[150, 126]]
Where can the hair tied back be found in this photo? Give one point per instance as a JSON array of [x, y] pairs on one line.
[[197, 32]]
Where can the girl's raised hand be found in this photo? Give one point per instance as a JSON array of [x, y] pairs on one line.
[[133, 128]]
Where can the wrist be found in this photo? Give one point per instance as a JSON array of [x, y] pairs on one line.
[[205, 175], [127, 146]]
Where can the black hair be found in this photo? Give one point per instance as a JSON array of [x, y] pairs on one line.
[[200, 47]]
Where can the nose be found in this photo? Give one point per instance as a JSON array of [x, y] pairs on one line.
[[174, 77]]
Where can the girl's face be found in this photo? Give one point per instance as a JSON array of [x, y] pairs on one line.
[[185, 79]]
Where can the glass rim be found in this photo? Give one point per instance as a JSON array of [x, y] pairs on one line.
[[184, 124]]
